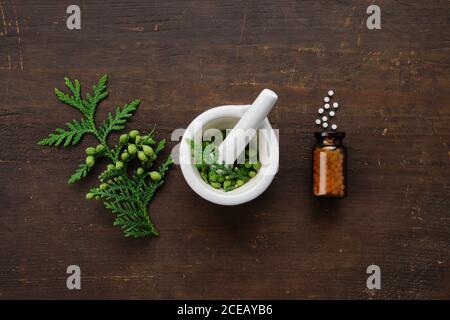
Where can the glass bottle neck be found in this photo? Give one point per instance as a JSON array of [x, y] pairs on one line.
[[329, 138]]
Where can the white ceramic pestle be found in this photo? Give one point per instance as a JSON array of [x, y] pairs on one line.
[[233, 145]]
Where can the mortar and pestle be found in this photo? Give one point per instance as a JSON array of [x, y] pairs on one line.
[[240, 118]]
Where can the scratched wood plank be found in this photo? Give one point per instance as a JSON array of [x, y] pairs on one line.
[[183, 57]]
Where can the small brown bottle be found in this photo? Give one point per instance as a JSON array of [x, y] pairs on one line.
[[329, 165]]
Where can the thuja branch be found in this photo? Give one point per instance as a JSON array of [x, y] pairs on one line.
[[127, 193]]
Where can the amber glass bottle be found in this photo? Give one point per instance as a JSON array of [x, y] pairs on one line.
[[329, 165]]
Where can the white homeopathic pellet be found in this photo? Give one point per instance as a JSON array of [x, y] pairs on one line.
[[324, 118], [331, 113], [326, 106], [318, 121], [334, 126], [320, 110], [335, 105], [326, 99], [325, 125], [330, 93]]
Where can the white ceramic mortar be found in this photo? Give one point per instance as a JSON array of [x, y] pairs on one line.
[[226, 117]]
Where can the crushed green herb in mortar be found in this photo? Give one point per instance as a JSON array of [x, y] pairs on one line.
[[219, 175]]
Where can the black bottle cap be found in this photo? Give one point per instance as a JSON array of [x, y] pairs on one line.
[[329, 134]]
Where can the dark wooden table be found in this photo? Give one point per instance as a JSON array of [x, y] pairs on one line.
[[184, 57]]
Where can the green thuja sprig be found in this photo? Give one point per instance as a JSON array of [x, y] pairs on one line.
[[78, 128], [126, 195], [129, 197]]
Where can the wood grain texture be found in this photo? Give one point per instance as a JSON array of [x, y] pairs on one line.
[[183, 57]]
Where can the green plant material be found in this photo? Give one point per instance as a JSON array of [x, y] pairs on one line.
[[123, 138], [90, 161], [81, 172], [204, 175], [124, 156], [147, 150], [137, 139], [219, 175], [155, 176], [78, 128], [115, 122], [128, 196], [90, 151], [119, 165], [142, 156], [132, 149], [161, 146], [99, 148], [212, 176], [216, 185], [133, 134], [129, 201]]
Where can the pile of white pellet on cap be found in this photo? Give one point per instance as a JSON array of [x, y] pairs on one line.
[[323, 120]]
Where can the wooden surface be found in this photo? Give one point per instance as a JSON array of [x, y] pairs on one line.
[[183, 57]]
